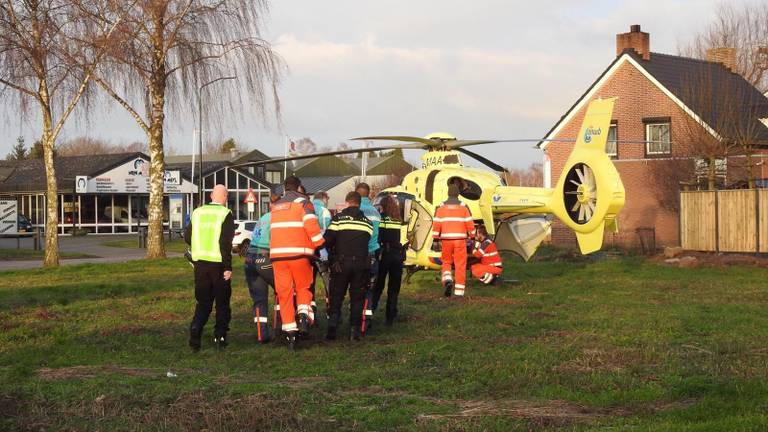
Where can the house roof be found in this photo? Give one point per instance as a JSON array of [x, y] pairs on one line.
[[678, 77], [315, 184], [29, 175]]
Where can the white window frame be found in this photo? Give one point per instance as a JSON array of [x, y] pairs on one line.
[[648, 127], [615, 153]]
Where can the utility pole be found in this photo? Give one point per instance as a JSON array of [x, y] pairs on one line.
[[201, 193]]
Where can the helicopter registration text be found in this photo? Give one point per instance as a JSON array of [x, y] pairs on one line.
[[431, 161]]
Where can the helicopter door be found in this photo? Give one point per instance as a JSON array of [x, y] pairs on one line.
[[419, 222], [522, 234]]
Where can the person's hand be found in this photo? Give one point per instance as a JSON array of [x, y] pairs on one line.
[[323, 254], [227, 275]]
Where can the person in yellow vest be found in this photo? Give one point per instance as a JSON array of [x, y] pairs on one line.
[[210, 234]]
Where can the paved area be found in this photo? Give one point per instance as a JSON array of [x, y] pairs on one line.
[[89, 245]]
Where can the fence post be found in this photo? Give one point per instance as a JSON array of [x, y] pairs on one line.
[[757, 221], [717, 222]]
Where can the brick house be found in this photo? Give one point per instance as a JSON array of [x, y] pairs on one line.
[[656, 122]]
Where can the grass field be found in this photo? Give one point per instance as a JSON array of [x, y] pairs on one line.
[[586, 344]]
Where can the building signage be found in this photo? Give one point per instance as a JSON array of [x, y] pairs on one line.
[[9, 218], [133, 177]]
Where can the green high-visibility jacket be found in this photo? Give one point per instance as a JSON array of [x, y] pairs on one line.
[[207, 223]]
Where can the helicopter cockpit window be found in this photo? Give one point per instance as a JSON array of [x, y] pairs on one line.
[[401, 198], [451, 159], [467, 188]]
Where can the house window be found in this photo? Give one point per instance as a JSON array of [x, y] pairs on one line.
[[274, 177], [611, 146], [658, 139]]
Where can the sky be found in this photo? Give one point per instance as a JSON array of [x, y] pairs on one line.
[[485, 69]]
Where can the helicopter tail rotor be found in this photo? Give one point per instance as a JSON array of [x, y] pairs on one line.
[[589, 193]]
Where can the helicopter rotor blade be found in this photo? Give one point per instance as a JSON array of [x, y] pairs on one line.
[[330, 153], [426, 141], [489, 163]]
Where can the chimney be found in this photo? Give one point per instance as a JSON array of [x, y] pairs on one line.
[[724, 55], [637, 40]]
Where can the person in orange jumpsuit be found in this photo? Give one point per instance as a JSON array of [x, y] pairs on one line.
[[294, 236], [452, 226], [488, 266]]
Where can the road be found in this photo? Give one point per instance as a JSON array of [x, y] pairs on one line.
[[89, 245]]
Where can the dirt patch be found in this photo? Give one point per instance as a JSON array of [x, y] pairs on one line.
[[301, 382], [717, 260], [85, 372], [165, 316], [191, 411], [491, 300], [592, 360], [549, 413]]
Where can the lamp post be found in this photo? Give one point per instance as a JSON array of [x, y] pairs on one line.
[[200, 192]]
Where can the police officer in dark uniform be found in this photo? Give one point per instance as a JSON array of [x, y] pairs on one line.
[[393, 242], [347, 243], [210, 236]]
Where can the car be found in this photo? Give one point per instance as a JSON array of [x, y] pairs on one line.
[[25, 225], [243, 234]]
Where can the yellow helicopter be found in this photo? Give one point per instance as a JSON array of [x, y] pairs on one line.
[[587, 198]]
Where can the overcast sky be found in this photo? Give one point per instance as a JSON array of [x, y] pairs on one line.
[[480, 69]]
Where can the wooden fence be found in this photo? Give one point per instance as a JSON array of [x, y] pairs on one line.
[[724, 221]]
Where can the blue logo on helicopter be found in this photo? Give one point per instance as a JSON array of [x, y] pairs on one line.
[[590, 132], [496, 198]]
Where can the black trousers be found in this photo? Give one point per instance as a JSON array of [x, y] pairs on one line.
[[211, 287], [259, 276], [351, 274], [391, 269]]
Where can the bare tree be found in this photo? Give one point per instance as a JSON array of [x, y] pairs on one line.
[[727, 123], [743, 27], [43, 61], [529, 177], [81, 146], [167, 49]]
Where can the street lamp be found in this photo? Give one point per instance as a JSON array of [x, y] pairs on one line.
[[200, 192]]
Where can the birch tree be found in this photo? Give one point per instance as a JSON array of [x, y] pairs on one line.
[[44, 63], [165, 50]]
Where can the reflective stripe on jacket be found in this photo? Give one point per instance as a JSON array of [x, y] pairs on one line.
[[392, 232], [348, 234], [488, 253], [207, 221], [453, 221], [294, 231]]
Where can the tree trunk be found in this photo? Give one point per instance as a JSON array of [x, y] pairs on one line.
[[711, 174], [51, 258], [750, 174], [155, 245]]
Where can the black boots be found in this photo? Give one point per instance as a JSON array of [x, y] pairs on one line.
[[291, 339], [355, 335], [220, 342], [331, 333], [303, 323], [194, 340], [448, 288]]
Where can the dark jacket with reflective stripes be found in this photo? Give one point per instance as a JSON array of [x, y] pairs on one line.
[[391, 233], [348, 234]]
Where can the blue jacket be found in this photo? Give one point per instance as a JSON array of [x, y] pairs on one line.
[[260, 238], [373, 215], [323, 215]]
